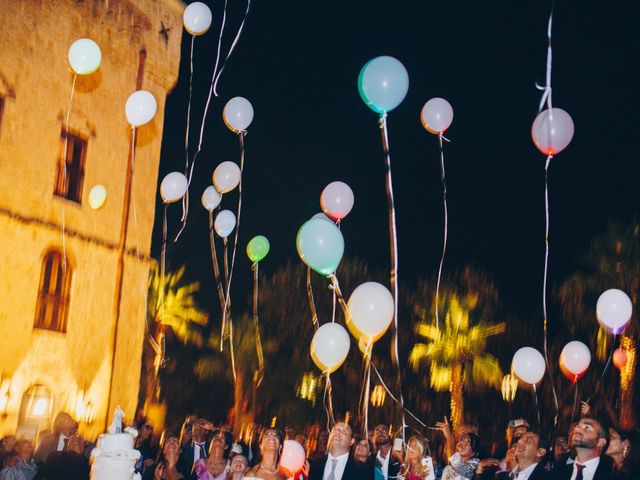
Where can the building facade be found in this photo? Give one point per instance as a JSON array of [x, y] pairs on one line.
[[74, 273]]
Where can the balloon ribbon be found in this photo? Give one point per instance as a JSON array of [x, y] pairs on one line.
[[446, 227], [312, 303], [64, 169], [256, 326]]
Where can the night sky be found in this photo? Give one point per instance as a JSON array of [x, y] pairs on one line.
[[298, 63]]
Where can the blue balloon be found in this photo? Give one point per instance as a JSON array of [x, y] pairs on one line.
[[383, 83], [320, 245]]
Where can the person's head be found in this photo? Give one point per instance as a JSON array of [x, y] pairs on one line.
[[8, 443], [381, 435], [201, 429], [467, 445], [220, 443], [289, 433], [416, 449], [271, 441], [340, 438], [171, 448], [24, 449], [530, 449], [64, 424], [362, 450], [516, 429], [624, 448], [76, 444], [239, 464], [590, 436]]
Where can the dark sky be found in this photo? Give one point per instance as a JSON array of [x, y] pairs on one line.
[[298, 63]]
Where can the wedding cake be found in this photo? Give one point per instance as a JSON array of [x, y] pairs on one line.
[[114, 457]]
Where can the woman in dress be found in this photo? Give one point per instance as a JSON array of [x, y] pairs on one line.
[[215, 466], [463, 463], [413, 469], [270, 447], [167, 467]]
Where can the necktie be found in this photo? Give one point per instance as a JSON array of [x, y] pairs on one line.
[[65, 442], [332, 473], [513, 475], [579, 468], [199, 447]]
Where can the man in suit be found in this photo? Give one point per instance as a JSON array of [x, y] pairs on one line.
[[386, 466], [589, 439], [64, 427], [68, 464], [338, 464], [198, 447]]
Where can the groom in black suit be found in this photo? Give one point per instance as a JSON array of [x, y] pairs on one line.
[[338, 464]]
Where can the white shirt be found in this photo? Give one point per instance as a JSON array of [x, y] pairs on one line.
[[340, 466], [199, 451], [61, 440], [524, 474], [385, 463], [589, 470]]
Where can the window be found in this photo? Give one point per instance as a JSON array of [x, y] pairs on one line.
[[69, 182], [53, 294]]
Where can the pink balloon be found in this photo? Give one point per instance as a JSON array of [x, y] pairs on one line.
[[292, 457], [552, 131], [436, 115], [337, 200]]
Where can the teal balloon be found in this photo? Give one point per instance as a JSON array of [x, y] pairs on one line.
[[320, 245], [383, 83], [258, 248]]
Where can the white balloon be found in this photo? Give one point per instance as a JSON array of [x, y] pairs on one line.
[[337, 200], [226, 176], [211, 198], [84, 56], [238, 114], [225, 223], [330, 346], [173, 187], [552, 131], [140, 108], [321, 216], [436, 115], [197, 18], [528, 364], [614, 310], [97, 196], [371, 311], [576, 357]]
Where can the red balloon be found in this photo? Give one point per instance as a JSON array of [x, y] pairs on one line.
[[619, 358]]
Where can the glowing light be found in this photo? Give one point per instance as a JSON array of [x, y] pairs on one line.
[[509, 387], [307, 387], [378, 396], [40, 407]]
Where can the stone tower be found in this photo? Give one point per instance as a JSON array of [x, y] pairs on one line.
[[74, 278]]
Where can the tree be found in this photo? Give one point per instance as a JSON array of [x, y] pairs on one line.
[[612, 261], [172, 309], [456, 348]]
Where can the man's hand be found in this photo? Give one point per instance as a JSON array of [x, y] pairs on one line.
[[487, 462]]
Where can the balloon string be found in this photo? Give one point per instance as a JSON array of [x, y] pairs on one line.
[[535, 396], [546, 95], [604, 370], [366, 386], [256, 325], [216, 269], [215, 68], [225, 306], [544, 286], [394, 257], [312, 303], [133, 200], [394, 398], [327, 400], [233, 46], [575, 401], [337, 294], [232, 351], [64, 169], [446, 228], [163, 259]]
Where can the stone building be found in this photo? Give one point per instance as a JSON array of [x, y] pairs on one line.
[[73, 276]]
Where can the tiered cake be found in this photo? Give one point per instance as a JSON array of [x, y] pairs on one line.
[[114, 458]]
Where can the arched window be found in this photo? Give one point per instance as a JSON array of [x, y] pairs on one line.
[[53, 294]]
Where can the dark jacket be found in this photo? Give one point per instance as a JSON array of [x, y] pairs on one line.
[[64, 465], [603, 472], [352, 471], [539, 473], [394, 464]]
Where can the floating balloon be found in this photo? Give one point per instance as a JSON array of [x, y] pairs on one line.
[[321, 216], [226, 176], [528, 364], [257, 249], [97, 196], [436, 115], [330, 347], [173, 187], [575, 358], [197, 18], [383, 83], [84, 56], [371, 311], [320, 245], [292, 456], [337, 200], [619, 358], [614, 310], [238, 114], [225, 223], [552, 131], [140, 108], [211, 198]]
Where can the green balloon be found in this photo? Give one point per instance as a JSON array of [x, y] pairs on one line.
[[320, 245], [257, 248]]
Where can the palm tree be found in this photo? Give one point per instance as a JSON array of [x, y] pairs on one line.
[[171, 310], [456, 348], [612, 261]]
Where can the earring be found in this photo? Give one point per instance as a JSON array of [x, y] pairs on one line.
[[625, 452]]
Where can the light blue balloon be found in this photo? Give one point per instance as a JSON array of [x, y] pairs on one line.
[[320, 245], [383, 83]]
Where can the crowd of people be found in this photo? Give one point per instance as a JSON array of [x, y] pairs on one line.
[[591, 450]]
